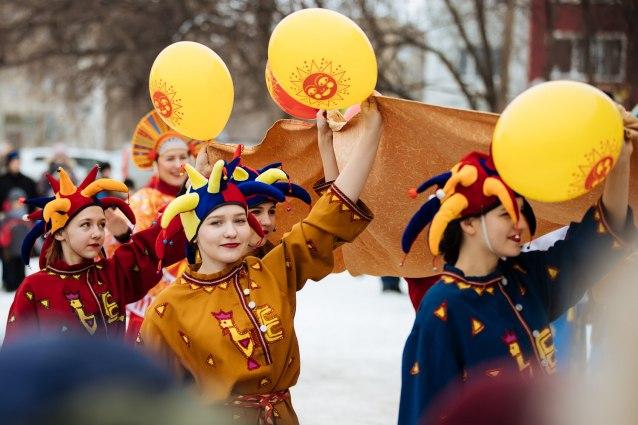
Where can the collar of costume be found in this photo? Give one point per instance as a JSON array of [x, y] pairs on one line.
[[228, 184], [495, 276], [273, 175], [471, 187], [153, 137], [167, 189], [192, 277], [60, 267], [69, 200]]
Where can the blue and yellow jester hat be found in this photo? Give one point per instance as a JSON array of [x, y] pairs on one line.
[[274, 176], [228, 184]]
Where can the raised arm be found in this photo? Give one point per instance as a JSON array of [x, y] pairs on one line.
[[591, 248], [352, 178], [135, 263], [616, 192], [326, 148]]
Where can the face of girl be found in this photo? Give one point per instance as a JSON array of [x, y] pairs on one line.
[[223, 236], [169, 166], [266, 215], [83, 236], [506, 238]]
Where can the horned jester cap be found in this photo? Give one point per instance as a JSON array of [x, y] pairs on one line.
[[273, 175], [228, 184], [471, 187], [69, 200]]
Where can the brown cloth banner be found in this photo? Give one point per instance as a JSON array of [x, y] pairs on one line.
[[418, 142]]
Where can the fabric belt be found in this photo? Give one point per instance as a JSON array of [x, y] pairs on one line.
[[264, 402]]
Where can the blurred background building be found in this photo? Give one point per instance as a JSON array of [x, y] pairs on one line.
[[75, 72]]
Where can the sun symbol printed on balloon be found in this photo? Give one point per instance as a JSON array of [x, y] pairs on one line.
[[320, 85], [594, 168], [166, 102]]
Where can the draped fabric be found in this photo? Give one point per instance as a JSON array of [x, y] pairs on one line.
[[418, 141]]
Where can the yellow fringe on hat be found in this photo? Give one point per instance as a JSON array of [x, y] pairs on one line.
[[450, 210]]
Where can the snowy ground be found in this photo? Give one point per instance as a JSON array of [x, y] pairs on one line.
[[351, 338]]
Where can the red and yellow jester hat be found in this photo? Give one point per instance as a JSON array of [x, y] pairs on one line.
[[152, 135], [471, 187], [69, 200]]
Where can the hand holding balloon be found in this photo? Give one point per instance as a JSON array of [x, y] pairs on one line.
[[616, 192], [557, 140]]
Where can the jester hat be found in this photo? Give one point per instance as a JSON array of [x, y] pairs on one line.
[[152, 135], [472, 187], [228, 184], [57, 210], [273, 175]]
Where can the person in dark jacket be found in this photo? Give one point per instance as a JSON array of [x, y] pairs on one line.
[[13, 178]]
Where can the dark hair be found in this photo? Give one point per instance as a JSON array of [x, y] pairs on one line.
[[450, 245], [129, 183]]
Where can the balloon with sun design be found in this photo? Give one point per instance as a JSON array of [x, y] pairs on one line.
[[322, 59], [286, 102], [557, 140], [191, 90]]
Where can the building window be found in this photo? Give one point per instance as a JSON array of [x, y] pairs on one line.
[[607, 56], [24, 129]]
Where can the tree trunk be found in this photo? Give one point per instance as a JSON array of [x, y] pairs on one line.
[[506, 53]]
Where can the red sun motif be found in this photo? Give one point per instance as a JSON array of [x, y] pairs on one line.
[[286, 102], [599, 171], [162, 104], [320, 86]]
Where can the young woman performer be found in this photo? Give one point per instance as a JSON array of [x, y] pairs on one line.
[[77, 288], [228, 322], [489, 312]]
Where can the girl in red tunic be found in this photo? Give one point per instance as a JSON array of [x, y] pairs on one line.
[[77, 288]]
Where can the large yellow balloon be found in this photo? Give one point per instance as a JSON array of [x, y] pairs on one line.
[[557, 140], [322, 59], [191, 89]]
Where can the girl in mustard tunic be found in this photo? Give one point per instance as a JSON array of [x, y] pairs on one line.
[[228, 322]]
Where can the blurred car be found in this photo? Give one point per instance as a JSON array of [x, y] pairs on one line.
[[35, 160]]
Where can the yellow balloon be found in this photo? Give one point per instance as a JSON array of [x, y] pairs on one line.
[[322, 59], [191, 89], [557, 140]]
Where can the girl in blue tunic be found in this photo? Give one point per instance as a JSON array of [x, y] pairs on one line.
[[489, 313]]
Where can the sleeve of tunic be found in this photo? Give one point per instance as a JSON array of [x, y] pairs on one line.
[[151, 340], [590, 250], [306, 252], [135, 264]]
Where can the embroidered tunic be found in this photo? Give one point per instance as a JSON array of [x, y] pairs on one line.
[[89, 297], [146, 203], [498, 324], [232, 332]]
